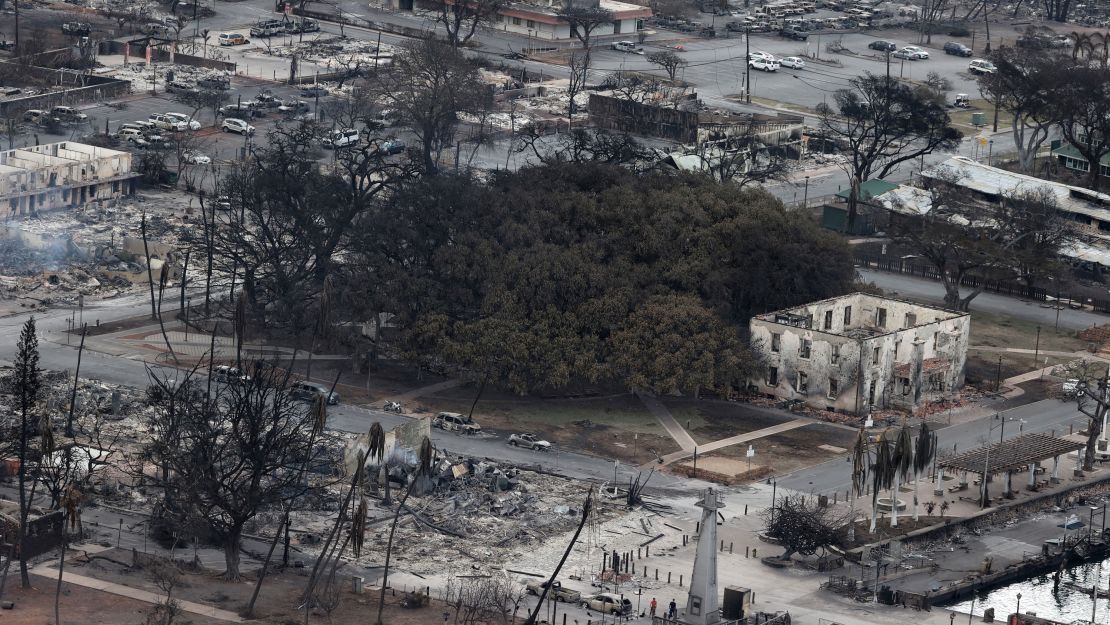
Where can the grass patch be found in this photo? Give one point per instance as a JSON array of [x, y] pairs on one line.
[[962, 117], [623, 412], [783, 105], [1002, 331]]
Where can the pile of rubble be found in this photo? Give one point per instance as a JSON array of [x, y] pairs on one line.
[[92, 251]]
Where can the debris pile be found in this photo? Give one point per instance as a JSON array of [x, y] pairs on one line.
[[92, 251]]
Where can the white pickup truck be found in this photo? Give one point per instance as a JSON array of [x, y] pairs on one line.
[[627, 46]]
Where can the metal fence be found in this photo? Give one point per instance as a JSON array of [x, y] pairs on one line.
[[1013, 289]]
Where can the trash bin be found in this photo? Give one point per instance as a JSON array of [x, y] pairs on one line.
[[979, 119]]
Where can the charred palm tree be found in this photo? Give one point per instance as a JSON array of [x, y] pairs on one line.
[[1084, 45], [587, 508], [861, 455], [902, 461], [376, 449], [882, 474], [423, 468], [924, 450]]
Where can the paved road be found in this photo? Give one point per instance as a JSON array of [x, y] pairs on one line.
[[1046, 416], [54, 353], [929, 290]]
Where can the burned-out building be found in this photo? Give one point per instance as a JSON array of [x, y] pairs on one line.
[[860, 352], [60, 175]]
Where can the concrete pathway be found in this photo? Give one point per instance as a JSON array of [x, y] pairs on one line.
[[45, 570], [1021, 350], [667, 420], [738, 439]]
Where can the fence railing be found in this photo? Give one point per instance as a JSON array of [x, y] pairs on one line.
[[1012, 289]]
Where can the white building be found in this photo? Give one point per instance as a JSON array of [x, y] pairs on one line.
[[61, 175], [860, 352], [540, 19]]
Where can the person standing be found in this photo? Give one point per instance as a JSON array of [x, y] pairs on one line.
[[672, 612], [652, 607]]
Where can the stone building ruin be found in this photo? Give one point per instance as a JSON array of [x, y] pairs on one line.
[[859, 352]]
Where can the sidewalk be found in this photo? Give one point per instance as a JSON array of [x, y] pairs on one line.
[[47, 570], [667, 420], [738, 439]]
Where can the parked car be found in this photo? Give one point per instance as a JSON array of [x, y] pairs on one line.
[[7, 45], [232, 39], [626, 46], [68, 113], [529, 441], [1071, 388], [764, 65], [133, 135], [383, 119], [793, 62], [882, 46], [922, 52], [392, 146], [957, 49], [242, 109], [455, 422], [303, 25], [294, 107], [222, 83], [190, 123], [233, 124], [309, 391], [196, 158], [911, 54], [167, 122], [608, 603], [981, 66], [342, 138], [796, 34], [267, 28], [35, 116], [313, 91], [178, 86], [267, 100], [759, 54], [229, 375], [557, 591], [80, 29], [1033, 42]]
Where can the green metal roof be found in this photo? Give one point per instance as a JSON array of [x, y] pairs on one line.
[[869, 189], [1069, 150]]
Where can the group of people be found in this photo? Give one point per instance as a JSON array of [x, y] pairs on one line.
[[672, 609]]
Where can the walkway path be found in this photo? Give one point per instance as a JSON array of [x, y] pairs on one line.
[[667, 420], [45, 570], [738, 439]]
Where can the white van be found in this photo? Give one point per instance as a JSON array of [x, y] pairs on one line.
[[341, 138]]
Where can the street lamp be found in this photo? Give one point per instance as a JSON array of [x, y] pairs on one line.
[[1018, 610], [805, 196]]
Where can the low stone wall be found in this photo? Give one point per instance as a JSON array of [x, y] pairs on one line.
[[138, 54]]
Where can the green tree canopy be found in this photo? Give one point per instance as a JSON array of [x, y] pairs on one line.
[[536, 278]]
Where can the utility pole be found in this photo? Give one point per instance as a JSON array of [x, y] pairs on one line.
[[747, 51], [15, 5]]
